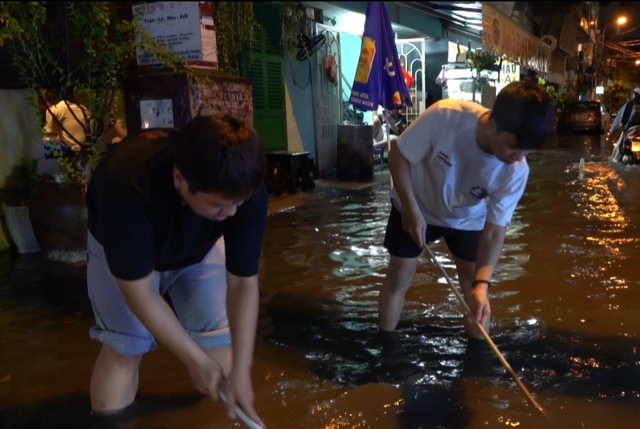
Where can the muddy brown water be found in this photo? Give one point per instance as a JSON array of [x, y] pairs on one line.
[[564, 302]]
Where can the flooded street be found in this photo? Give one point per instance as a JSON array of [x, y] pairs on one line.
[[564, 305]]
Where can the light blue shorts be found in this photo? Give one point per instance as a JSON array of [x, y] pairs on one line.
[[197, 292]]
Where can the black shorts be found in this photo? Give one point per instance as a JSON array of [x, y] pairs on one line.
[[462, 244]]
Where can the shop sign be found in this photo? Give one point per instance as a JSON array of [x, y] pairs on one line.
[[509, 72], [503, 37]]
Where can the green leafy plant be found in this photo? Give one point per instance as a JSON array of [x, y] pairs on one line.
[[556, 98], [292, 40], [624, 78], [19, 183], [479, 61], [616, 95], [482, 60], [83, 50]]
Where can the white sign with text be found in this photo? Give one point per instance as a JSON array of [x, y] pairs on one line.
[[179, 27]]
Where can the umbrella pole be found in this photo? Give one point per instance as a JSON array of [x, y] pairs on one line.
[[470, 314], [386, 121]]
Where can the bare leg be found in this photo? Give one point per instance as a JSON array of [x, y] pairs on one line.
[[114, 381], [466, 275], [392, 293]]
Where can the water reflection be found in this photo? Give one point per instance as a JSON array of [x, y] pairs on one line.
[[564, 314], [592, 145]]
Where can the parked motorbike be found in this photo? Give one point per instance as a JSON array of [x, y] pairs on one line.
[[628, 150]]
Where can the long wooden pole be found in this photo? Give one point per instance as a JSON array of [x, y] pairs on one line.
[[484, 333]]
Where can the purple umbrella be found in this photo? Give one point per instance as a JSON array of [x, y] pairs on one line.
[[379, 80]]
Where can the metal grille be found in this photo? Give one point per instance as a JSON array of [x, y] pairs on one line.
[[327, 99], [411, 53]]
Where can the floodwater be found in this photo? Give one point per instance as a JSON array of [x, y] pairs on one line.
[[564, 305]]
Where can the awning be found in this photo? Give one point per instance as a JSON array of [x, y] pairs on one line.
[[503, 37]]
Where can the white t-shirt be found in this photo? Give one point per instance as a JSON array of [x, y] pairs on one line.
[[455, 183], [67, 112], [381, 135]]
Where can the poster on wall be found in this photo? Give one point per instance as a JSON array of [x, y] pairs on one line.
[[156, 114], [232, 96]]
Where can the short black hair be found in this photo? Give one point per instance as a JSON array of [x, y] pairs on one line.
[[220, 154], [50, 96], [525, 109]]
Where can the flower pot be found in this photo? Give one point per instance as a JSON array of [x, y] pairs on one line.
[[20, 230], [59, 220]]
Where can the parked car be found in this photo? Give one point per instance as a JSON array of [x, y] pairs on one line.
[[581, 116]]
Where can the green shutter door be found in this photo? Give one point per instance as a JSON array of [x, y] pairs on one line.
[[263, 64]]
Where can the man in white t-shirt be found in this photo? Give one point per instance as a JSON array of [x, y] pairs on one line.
[[458, 173], [66, 120]]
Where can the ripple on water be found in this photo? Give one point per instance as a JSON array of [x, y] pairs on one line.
[[570, 249]]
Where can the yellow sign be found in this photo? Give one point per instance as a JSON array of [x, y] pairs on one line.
[[510, 72], [367, 54]]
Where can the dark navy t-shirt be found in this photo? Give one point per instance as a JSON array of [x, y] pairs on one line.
[[135, 212]]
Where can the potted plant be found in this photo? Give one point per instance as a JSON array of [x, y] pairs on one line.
[[480, 61], [83, 50], [14, 200]]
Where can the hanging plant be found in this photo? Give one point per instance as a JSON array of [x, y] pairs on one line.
[[236, 25], [292, 22], [297, 45], [482, 60]]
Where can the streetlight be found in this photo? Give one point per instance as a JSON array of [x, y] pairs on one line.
[[620, 21]]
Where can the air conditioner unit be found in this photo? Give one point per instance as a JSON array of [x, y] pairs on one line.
[[550, 40]]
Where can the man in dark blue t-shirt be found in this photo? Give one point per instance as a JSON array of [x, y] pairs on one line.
[[178, 213]]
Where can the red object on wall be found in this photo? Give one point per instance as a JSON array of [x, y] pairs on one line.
[[331, 68], [408, 79]]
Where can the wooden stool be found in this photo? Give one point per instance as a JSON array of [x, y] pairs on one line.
[[287, 170]]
